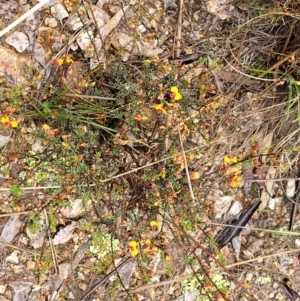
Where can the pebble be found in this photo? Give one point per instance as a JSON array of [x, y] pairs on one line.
[[59, 12], [2, 288], [75, 210], [18, 40], [64, 270], [51, 22], [249, 276], [13, 257], [85, 44], [74, 22], [82, 286]]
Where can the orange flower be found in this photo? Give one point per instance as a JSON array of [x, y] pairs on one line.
[[9, 123], [234, 181], [195, 175], [160, 109]]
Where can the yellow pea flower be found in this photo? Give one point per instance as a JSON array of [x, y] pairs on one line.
[[155, 224], [4, 119], [230, 159], [177, 96], [174, 89], [133, 248], [160, 109], [14, 124], [69, 60]]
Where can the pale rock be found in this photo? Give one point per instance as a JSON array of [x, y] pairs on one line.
[[142, 28], [30, 265], [235, 209], [75, 210], [21, 290], [51, 22], [37, 238], [11, 228], [273, 202], [85, 44], [222, 205], [82, 286], [15, 68], [80, 276], [151, 11], [71, 295], [297, 242], [290, 188], [99, 15], [13, 257], [18, 40], [4, 140], [74, 46], [64, 270], [2, 288], [38, 147], [74, 22], [18, 268], [64, 234], [249, 277], [59, 12], [100, 3]]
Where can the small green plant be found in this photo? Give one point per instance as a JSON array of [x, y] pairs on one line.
[[33, 225], [113, 290], [208, 289], [104, 247], [15, 190]]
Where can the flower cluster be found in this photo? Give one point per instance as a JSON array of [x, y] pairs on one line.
[[66, 59], [174, 95], [133, 248], [49, 131], [145, 243], [232, 170], [8, 122]]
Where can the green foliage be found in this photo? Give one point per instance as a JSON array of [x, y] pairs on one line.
[[104, 246], [207, 290], [15, 190], [33, 225]]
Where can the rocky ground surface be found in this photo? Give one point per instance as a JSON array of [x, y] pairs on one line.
[[111, 209]]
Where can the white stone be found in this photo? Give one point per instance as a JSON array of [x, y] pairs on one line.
[[51, 22], [297, 242], [290, 188], [235, 209], [75, 210], [2, 288], [99, 15], [85, 44], [13, 257], [74, 22], [249, 276], [273, 202], [59, 12], [18, 40], [64, 270], [4, 140]]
